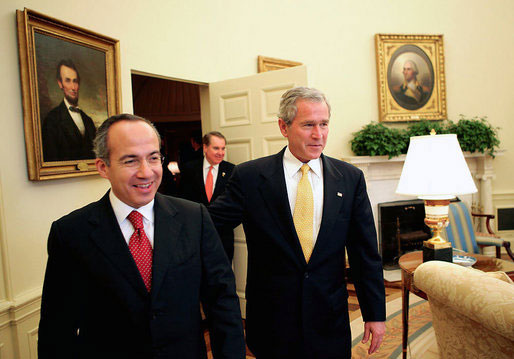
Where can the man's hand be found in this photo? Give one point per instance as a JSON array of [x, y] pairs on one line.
[[377, 330]]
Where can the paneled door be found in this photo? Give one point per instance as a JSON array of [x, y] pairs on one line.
[[245, 111]]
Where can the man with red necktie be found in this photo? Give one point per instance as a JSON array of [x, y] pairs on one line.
[[204, 180], [126, 275]]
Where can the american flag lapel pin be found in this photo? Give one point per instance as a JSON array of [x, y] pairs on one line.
[[339, 194], [222, 174]]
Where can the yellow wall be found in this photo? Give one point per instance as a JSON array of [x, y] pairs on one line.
[[210, 40]]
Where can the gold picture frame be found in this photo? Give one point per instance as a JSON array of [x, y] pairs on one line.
[[411, 77], [269, 64], [47, 47]]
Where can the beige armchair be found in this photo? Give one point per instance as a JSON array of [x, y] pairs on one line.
[[472, 311]]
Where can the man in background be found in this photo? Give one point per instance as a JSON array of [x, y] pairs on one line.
[[204, 180], [300, 210], [191, 150], [67, 131], [126, 274]]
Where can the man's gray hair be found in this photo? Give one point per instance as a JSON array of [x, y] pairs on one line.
[[414, 66], [100, 143], [287, 109]]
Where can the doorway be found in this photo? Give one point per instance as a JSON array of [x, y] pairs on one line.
[[173, 106]]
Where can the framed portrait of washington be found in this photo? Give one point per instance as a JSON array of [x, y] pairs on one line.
[[70, 80], [411, 77]]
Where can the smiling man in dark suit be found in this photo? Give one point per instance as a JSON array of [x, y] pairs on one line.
[[125, 275], [300, 209], [204, 180], [67, 131]]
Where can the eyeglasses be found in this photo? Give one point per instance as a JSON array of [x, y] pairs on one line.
[[152, 161]]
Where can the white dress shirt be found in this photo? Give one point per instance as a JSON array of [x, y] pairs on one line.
[[293, 175], [215, 169], [77, 118], [122, 210]]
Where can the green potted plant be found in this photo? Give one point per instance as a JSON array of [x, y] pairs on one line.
[[476, 134], [375, 139], [424, 127]]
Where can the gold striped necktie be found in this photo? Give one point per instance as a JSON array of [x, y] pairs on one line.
[[304, 213]]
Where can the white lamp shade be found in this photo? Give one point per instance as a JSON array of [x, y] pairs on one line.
[[435, 168]]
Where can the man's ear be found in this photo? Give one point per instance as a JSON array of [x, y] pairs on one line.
[[283, 127], [102, 168], [59, 82], [204, 148]]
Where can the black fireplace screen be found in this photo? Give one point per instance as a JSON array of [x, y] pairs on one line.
[[401, 229]]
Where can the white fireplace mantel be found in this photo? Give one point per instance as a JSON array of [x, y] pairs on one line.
[[382, 175]]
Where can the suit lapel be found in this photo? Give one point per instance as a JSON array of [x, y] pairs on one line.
[[199, 184], [171, 247], [274, 192], [333, 197], [221, 180], [108, 237]]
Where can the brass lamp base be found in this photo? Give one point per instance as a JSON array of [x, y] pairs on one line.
[[436, 248], [437, 252]]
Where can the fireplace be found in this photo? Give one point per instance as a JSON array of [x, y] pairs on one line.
[[401, 229]]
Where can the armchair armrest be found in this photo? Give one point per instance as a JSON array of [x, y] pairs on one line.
[[487, 221]]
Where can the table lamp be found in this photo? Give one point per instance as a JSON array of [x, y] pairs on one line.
[[435, 170]]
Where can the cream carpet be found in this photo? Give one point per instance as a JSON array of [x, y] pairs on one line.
[[422, 342]]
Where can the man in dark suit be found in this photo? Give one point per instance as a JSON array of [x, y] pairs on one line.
[[199, 186], [300, 210], [67, 131], [126, 274]]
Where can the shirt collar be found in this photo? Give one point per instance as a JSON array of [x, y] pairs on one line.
[[68, 104], [122, 210], [206, 164], [292, 164]]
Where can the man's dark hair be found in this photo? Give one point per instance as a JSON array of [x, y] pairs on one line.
[[196, 136], [100, 145], [207, 138], [67, 63]]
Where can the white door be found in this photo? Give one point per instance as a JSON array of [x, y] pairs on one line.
[[245, 111]]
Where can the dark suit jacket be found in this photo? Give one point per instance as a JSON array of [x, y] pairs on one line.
[[62, 139], [192, 188], [295, 309], [95, 304]]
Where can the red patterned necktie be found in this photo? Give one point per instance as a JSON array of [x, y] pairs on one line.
[[208, 184], [141, 249]]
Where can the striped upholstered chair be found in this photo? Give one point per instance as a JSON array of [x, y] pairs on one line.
[[461, 234]]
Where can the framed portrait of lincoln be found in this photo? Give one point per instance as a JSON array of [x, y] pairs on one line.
[[70, 85], [411, 77]]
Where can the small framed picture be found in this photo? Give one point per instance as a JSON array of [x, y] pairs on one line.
[[269, 64], [70, 84], [411, 77]]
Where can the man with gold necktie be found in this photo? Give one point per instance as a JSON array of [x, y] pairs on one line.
[[300, 209], [126, 274]]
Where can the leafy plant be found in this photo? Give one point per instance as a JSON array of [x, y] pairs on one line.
[[424, 127], [375, 139], [476, 134]]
